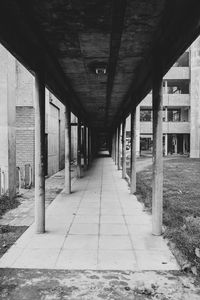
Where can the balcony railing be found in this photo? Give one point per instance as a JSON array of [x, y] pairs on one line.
[[168, 100], [168, 127]]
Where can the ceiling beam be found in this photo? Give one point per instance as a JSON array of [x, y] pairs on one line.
[[118, 13]]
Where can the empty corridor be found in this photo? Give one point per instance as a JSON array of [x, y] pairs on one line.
[[99, 226]]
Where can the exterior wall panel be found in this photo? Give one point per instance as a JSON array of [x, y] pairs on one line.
[[178, 73], [169, 100]]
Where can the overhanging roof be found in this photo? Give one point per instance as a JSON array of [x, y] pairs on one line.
[[75, 37]]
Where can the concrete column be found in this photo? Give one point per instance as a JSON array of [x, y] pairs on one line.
[[138, 131], [89, 147], [85, 147], [133, 152], [7, 122], [112, 147], [39, 151], [124, 149], [195, 100], [79, 169], [119, 148], [157, 184], [116, 146], [67, 150], [166, 144]]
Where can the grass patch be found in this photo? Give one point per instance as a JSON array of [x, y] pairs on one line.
[[9, 235], [181, 203], [6, 204]]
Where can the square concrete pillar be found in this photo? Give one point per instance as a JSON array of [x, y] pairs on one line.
[[157, 184], [124, 149], [39, 151], [67, 150], [133, 152]]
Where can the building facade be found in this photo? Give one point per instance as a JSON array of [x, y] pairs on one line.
[[181, 108], [17, 127]]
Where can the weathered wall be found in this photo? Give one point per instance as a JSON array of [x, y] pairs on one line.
[[55, 126], [25, 120], [25, 131], [7, 120]]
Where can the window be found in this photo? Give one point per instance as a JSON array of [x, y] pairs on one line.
[[174, 115], [146, 115], [175, 86]]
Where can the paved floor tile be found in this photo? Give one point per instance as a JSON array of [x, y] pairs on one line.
[[146, 219], [90, 219], [85, 242], [112, 219], [47, 241], [37, 258], [155, 260], [110, 242], [77, 259], [148, 242], [110, 211], [8, 259], [88, 211], [117, 260], [110, 229], [99, 226], [84, 228]]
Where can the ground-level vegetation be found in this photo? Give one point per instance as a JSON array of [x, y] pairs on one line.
[[8, 234], [181, 203]]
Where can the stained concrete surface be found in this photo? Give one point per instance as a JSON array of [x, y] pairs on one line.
[[19, 284]]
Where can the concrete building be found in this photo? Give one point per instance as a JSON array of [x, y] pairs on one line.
[[17, 127], [181, 111], [7, 123], [25, 127]]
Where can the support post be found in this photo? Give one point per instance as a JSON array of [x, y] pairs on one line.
[[166, 144], [124, 149], [118, 146], [79, 169], [67, 150], [113, 147], [157, 184], [89, 147], [85, 147], [133, 152], [39, 151]]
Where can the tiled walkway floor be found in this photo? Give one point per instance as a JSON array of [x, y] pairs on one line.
[[99, 226]]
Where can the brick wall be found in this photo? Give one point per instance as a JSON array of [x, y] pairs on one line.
[[25, 140]]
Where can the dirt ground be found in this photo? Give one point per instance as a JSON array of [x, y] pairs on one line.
[[20, 284]]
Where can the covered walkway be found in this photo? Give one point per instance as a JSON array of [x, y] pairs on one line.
[[99, 226]]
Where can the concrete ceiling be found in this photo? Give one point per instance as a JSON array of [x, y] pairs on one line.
[[74, 37]]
